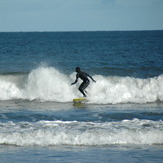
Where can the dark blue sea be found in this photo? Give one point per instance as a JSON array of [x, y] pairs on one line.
[[122, 117]]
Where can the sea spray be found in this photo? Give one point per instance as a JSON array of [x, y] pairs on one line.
[[48, 84], [9, 90]]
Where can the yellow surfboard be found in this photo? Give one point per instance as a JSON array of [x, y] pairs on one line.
[[79, 100]]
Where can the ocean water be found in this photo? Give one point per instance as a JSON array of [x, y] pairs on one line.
[[122, 119]]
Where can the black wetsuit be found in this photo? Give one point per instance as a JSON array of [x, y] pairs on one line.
[[83, 76], [85, 83]]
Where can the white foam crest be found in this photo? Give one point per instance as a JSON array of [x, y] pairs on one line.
[[47, 83], [9, 90], [43, 83], [126, 90], [45, 133]]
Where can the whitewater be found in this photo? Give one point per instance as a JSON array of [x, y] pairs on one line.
[[50, 84], [48, 133]]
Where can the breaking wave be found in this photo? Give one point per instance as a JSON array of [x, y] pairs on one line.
[[49, 84]]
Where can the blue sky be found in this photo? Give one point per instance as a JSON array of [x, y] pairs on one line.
[[80, 15]]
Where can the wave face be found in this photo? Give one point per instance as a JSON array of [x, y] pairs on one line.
[[49, 84], [45, 133]]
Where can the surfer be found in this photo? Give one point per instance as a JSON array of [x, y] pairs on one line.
[[83, 76]]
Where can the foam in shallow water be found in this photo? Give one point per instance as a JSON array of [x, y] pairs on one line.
[[45, 133]]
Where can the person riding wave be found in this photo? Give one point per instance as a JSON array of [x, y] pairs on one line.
[[83, 76]]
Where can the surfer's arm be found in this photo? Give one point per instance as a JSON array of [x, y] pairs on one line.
[[91, 78], [75, 80]]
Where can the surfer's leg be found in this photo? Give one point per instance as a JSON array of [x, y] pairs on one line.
[[81, 90], [85, 85], [82, 87]]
